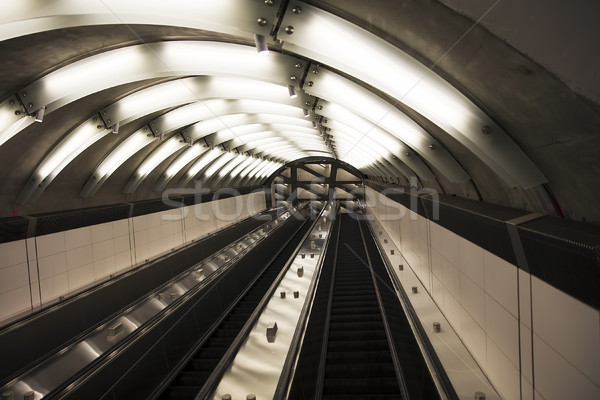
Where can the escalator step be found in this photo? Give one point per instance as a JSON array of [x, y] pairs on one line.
[[192, 378], [180, 392], [361, 386], [346, 370], [358, 345], [356, 335], [365, 357], [355, 326]]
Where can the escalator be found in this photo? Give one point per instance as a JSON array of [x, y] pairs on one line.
[[358, 342], [195, 373], [358, 362]]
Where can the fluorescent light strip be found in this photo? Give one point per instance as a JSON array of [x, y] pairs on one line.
[[233, 17], [61, 155], [201, 89], [134, 143], [272, 146], [161, 153], [263, 97], [154, 60], [184, 159], [150, 100], [200, 164], [357, 100], [387, 147], [217, 164], [237, 124], [344, 46], [222, 176]]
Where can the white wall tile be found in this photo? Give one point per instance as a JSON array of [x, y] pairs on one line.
[[452, 279], [471, 261], [104, 267], [154, 233], [141, 237], [48, 245], [79, 237], [79, 257], [14, 302], [438, 292], [569, 326], [102, 232], [120, 227], [526, 353], [525, 298], [103, 249], [557, 379], [12, 253], [527, 390], [504, 375], [81, 276], [153, 219], [503, 329], [450, 246], [472, 299], [452, 311], [501, 282], [121, 244], [52, 265], [31, 249], [54, 286], [122, 260], [538, 395], [14, 277], [474, 337], [140, 223]]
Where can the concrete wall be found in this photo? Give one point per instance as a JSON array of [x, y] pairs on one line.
[[532, 340], [38, 270]]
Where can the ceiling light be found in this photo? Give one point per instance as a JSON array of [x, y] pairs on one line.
[[134, 143], [164, 150]]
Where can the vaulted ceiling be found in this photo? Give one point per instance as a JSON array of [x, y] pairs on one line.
[[135, 97]]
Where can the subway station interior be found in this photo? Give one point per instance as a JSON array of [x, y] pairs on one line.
[[281, 199]]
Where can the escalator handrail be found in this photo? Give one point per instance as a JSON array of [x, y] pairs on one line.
[[287, 374], [442, 383], [386, 325], [213, 380]]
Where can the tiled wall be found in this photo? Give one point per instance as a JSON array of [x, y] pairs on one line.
[[493, 306], [38, 270]]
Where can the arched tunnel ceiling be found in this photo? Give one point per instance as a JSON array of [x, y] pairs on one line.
[[193, 104]]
